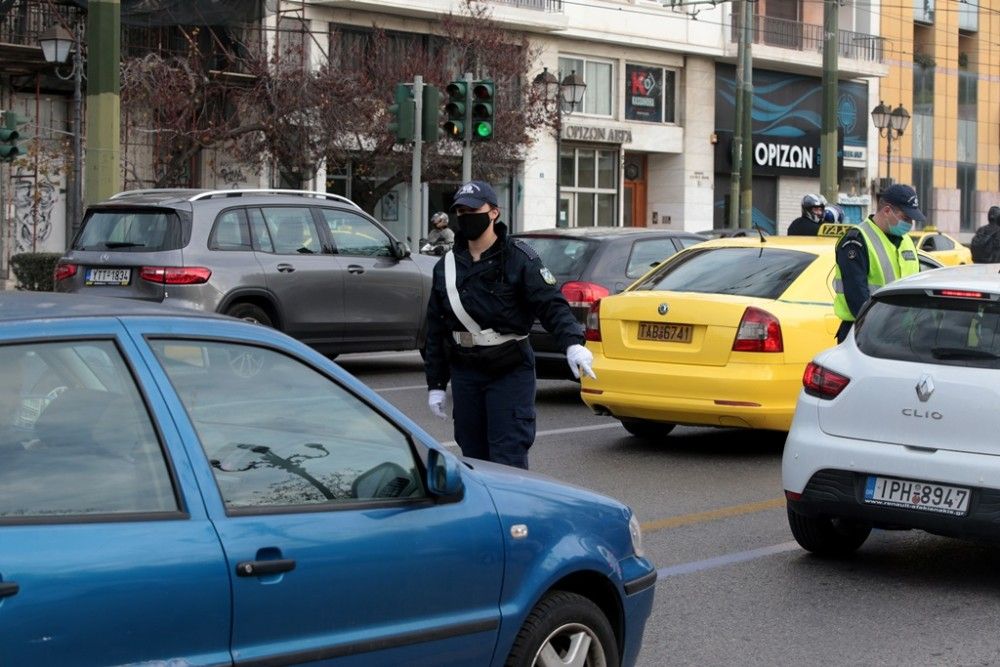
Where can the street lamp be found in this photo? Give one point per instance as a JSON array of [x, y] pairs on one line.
[[57, 43], [890, 124], [567, 95]]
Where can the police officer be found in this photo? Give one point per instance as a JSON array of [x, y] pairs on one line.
[[485, 296], [874, 254], [813, 209]]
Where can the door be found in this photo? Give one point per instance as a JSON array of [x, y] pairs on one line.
[[567, 216], [635, 191], [108, 556], [304, 277], [383, 297], [336, 551]]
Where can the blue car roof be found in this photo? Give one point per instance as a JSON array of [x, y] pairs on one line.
[[44, 305]]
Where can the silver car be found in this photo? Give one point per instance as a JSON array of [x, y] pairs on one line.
[[311, 264]]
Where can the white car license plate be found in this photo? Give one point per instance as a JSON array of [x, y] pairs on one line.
[[108, 276], [917, 495]]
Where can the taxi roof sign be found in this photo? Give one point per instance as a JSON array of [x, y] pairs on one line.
[[835, 228]]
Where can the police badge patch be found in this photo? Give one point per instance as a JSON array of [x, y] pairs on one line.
[[547, 276]]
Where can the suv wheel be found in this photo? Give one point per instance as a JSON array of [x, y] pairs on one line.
[[646, 429], [248, 312], [832, 538]]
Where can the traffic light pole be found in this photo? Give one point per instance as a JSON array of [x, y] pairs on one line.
[[416, 214], [467, 140]]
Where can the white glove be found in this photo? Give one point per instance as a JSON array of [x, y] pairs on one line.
[[580, 360], [436, 400]]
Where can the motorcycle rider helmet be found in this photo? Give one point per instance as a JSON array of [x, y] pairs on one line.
[[833, 213], [811, 202], [439, 217]]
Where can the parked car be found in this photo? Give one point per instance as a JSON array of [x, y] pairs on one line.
[[180, 487], [590, 263], [311, 264], [946, 249], [718, 335], [896, 427]]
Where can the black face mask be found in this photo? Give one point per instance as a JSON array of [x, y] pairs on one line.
[[472, 225]]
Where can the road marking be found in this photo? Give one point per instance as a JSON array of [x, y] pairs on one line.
[[557, 431], [712, 515], [728, 559]]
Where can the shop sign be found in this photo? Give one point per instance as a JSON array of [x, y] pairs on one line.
[[644, 93], [603, 134]]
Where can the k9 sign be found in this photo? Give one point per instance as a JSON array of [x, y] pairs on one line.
[[644, 93]]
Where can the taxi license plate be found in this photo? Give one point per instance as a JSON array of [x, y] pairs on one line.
[[916, 495], [664, 331], [108, 276]]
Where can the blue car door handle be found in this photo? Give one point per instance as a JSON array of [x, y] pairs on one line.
[[259, 568], [355, 268], [286, 268], [8, 588]]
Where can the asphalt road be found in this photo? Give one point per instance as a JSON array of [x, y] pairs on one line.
[[734, 588]]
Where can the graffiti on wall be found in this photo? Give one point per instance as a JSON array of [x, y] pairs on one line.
[[34, 207]]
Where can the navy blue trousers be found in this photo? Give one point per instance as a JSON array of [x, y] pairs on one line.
[[495, 415]]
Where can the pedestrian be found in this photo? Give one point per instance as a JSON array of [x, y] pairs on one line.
[[485, 296], [441, 238], [875, 253], [985, 244], [813, 209]]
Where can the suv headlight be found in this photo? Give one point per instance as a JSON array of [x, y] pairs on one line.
[[635, 530]]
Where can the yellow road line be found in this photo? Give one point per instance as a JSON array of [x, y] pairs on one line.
[[712, 515]]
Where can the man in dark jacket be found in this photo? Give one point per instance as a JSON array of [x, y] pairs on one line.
[[813, 209], [985, 245], [485, 296]]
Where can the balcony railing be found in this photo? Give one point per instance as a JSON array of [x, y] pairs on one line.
[[799, 36], [27, 19], [555, 6]]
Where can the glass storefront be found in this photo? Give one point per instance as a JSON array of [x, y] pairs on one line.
[[588, 190]]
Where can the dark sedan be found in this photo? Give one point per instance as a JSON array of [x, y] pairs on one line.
[[594, 262]]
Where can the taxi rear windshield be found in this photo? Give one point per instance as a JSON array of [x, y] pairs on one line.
[[756, 271], [141, 230], [932, 329]]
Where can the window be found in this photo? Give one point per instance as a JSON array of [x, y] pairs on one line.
[[565, 258], [649, 94], [353, 235], [292, 230], [261, 237], [932, 330], [290, 437], [599, 77], [589, 180], [75, 436], [231, 232], [755, 272], [647, 254], [142, 230]]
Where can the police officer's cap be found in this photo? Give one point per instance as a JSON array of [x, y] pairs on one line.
[[904, 198], [474, 194]]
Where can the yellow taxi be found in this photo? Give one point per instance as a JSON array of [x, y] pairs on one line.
[[946, 249], [717, 335]]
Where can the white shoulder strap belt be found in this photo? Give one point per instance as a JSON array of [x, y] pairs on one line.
[[475, 335]]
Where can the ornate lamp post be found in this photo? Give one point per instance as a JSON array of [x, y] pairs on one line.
[[567, 95], [57, 43], [890, 124]]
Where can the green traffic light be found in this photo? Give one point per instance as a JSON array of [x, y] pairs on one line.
[[483, 130]]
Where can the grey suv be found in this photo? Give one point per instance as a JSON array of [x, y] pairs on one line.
[[311, 264]]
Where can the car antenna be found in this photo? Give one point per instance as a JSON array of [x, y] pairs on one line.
[[760, 232]]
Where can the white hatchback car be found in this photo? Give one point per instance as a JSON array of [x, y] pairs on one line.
[[899, 426]]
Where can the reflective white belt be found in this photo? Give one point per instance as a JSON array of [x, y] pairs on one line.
[[486, 337]]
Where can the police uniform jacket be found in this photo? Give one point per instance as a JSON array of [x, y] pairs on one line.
[[506, 290], [857, 276]]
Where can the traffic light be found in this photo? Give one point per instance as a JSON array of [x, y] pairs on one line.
[[10, 136], [457, 110], [482, 110], [430, 126], [402, 113]]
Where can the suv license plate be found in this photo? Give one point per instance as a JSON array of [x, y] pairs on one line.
[[916, 495], [108, 276], [663, 331]]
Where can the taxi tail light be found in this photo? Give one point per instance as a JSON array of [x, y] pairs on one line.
[[581, 294], [64, 271], [822, 382], [593, 331], [759, 331], [175, 275]]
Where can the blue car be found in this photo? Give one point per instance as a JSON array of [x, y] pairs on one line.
[[186, 488]]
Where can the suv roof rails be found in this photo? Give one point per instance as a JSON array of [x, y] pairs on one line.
[[151, 191], [271, 191]]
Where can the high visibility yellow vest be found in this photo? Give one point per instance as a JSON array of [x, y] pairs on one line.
[[886, 263]]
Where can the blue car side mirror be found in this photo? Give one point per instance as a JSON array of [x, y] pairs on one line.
[[443, 477]]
